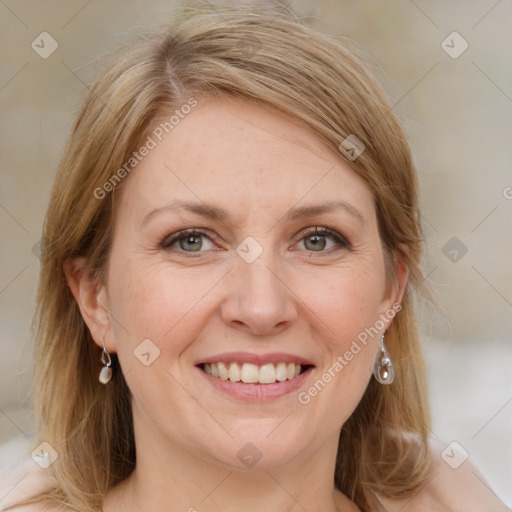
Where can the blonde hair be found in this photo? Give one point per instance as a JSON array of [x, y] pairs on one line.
[[266, 56]]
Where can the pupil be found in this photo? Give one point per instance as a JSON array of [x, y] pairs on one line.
[[190, 240], [317, 241]]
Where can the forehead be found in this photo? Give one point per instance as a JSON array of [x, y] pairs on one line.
[[244, 156]]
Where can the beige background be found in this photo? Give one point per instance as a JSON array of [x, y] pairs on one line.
[[456, 111]]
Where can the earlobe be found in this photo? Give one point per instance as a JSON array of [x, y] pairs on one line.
[[91, 297]]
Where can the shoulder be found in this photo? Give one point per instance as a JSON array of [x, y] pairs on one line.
[[33, 507], [455, 485], [24, 481]]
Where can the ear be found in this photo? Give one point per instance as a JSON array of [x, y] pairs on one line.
[[91, 297], [398, 270]]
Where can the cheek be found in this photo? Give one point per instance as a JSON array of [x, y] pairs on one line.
[[152, 301], [349, 310], [348, 302]]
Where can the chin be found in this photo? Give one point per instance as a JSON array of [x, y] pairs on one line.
[[256, 447]]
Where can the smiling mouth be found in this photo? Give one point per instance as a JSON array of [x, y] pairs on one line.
[[249, 373]]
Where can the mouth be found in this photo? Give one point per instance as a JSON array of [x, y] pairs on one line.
[[250, 377], [250, 373]]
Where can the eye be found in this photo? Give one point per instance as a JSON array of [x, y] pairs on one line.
[[190, 240], [193, 241], [316, 240]]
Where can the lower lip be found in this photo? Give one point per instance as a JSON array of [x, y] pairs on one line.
[[257, 392]]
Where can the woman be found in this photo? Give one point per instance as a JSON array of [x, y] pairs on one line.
[[225, 313]]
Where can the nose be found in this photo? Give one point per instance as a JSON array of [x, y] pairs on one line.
[[258, 300]]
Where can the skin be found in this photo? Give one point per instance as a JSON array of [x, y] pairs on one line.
[[295, 297]]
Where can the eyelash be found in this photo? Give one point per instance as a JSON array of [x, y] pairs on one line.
[[170, 240]]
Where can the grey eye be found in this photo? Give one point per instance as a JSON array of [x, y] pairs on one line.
[[315, 242]]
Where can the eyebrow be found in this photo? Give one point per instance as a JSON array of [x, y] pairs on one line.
[[218, 213], [309, 211]]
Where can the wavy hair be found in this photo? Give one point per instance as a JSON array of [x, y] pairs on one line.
[[272, 58]]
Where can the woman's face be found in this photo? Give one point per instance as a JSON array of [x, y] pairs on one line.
[[254, 289]]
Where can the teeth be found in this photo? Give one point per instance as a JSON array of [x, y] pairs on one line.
[[267, 374], [281, 373], [235, 373], [251, 373], [223, 371]]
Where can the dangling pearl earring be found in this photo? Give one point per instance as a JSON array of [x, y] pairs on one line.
[[106, 371], [383, 370]]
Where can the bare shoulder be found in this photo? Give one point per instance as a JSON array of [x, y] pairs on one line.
[[34, 507], [457, 484], [454, 486], [22, 488]]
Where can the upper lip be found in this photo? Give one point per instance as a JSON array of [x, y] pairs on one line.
[[257, 359]]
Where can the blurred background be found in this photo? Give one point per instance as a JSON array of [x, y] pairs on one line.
[[447, 68]]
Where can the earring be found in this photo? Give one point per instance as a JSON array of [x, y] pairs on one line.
[[383, 370], [106, 371]]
